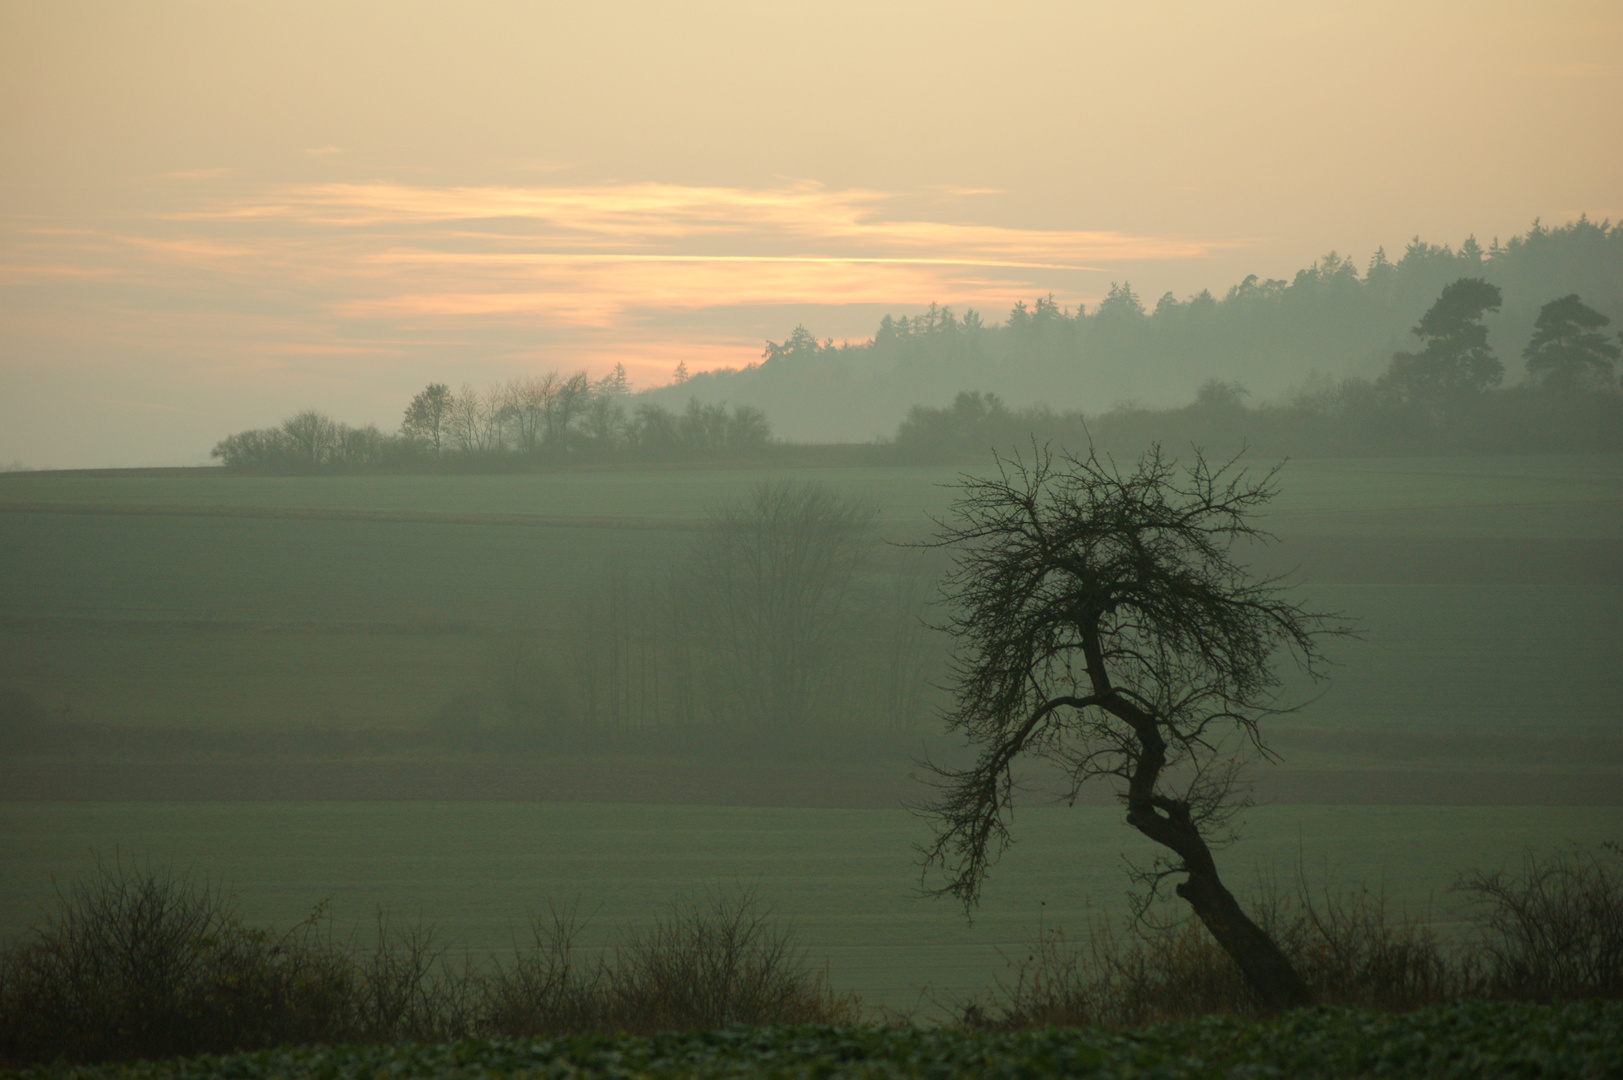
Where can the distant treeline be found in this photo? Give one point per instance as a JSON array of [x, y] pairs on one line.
[[1331, 322], [1452, 395], [546, 418], [1444, 398]]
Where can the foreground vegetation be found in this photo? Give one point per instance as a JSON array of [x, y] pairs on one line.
[[141, 963], [1463, 1039], [846, 880]]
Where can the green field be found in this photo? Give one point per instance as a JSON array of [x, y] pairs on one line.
[[846, 879], [1489, 591], [1550, 496]]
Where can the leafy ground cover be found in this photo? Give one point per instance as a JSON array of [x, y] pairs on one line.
[[1465, 1039]]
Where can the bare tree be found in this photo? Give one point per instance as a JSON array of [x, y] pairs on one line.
[[527, 409], [312, 436], [1103, 626], [476, 419], [566, 398], [773, 578], [428, 414], [605, 415]]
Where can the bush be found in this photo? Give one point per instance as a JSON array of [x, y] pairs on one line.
[[1346, 946], [1555, 931], [146, 963], [703, 965], [718, 963], [140, 962]]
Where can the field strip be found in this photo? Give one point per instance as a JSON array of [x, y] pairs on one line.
[[116, 625], [647, 781], [320, 514], [1413, 507]]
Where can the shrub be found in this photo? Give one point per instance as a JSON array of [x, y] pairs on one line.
[[1346, 946], [1554, 931], [707, 965], [547, 989], [141, 963], [704, 964], [138, 962]]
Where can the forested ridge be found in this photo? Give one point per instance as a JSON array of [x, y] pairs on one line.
[[1508, 349], [1332, 321]]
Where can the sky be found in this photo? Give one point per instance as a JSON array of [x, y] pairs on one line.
[[215, 214]]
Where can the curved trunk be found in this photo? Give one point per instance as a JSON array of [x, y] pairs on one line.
[[1267, 970], [1168, 822]]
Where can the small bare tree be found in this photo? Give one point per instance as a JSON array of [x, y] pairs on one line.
[[566, 398], [475, 419], [1104, 626], [527, 411], [428, 416], [770, 584], [312, 436]]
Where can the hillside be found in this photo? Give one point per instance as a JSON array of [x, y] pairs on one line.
[[1330, 321]]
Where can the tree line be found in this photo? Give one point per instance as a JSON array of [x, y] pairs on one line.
[[1445, 396], [1334, 319], [550, 417], [1451, 395]]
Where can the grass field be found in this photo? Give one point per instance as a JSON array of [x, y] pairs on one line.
[[1489, 594], [1489, 591], [1535, 496], [845, 878]]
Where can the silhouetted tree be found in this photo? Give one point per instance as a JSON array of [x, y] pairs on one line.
[[312, 437], [800, 345], [605, 415], [566, 399], [525, 405], [475, 419], [1103, 625], [1455, 360], [1568, 351], [427, 416], [614, 384]]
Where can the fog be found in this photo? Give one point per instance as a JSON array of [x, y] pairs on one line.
[[941, 475]]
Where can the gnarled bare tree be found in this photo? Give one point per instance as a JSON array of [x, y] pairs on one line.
[[1103, 624]]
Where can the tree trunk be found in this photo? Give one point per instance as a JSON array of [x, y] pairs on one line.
[[1266, 968], [1168, 822]]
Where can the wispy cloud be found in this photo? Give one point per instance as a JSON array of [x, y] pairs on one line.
[[345, 269], [647, 218]]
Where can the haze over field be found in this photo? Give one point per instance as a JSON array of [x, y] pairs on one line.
[[749, 470], [212, 216]]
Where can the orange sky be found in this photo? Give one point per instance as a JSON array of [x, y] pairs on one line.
[[214, 214]]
